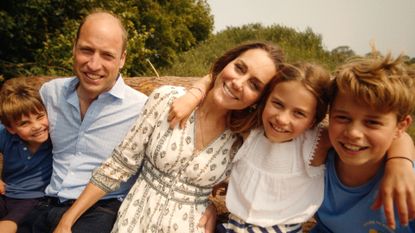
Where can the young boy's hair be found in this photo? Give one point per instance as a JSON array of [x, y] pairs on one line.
[[315, 79], [382, 83], [18, 98]]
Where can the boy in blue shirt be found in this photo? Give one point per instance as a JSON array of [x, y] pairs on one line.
[[372, 102], [27, 151]]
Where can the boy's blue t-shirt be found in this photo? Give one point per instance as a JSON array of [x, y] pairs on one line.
[[347, 209], [26, 175]]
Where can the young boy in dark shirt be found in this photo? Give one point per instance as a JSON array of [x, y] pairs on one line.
[[26, 149]]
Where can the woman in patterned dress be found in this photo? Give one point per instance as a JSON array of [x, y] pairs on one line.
[[179, 167]]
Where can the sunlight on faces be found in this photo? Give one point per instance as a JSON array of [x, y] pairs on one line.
[[361, 135], [32, 128], [98, 54], [242, 81], [289, 111]]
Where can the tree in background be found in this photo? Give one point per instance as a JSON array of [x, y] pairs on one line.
[[297, 45], [342, 53], [36, 36]]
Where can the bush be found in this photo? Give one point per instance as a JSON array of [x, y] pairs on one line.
[[36, 35], [297, 45]]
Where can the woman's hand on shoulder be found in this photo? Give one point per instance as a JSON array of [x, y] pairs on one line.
[[398, 183], [397, 188]]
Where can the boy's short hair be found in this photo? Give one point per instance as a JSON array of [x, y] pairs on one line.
[[383, 83], [18, 98]]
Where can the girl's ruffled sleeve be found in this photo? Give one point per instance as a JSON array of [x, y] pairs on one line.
[[310, 142]]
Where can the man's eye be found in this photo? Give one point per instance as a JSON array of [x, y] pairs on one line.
[[108, 56], [86, 50]]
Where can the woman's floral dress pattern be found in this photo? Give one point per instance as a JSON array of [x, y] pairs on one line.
[[172, 189]]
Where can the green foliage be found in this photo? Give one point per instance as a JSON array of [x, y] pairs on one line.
[[305, 45], [342, 53], [173, 26], [36, 36]]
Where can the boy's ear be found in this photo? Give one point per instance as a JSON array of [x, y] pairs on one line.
[[11, 130], [403, 125], [123, 58]]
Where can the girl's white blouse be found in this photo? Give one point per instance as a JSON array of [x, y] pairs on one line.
[[273, 183]]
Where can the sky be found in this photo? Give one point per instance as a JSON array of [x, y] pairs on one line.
[[354, 23]]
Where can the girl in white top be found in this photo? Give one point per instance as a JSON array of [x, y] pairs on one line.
[[273, 184], [277, 178]]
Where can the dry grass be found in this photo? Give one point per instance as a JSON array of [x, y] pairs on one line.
[[143, 84]]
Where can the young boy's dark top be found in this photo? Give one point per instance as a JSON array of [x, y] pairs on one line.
[[26, 175]]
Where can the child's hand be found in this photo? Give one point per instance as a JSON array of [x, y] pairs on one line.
[[208, 220], [2, 187], [397, 187], [182, 107], [220, 189]]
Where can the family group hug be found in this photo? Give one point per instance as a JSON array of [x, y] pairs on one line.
[[291, 141]]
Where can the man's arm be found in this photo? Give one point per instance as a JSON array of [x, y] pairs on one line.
[[88, 198], [2, 187]]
